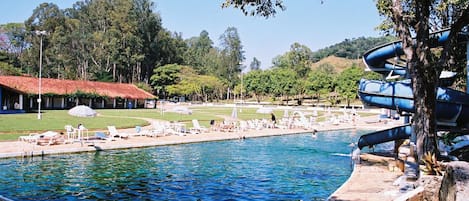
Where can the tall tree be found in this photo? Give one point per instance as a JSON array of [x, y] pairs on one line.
[[321, 81], [283, 82], [5, 67], [232, 55], [165, 76], [255, 64], [171, 48], [46, 17], [95, 40], [299, 58], [149, 25], [347, 82], [197, 50], [413, 21], [12, 41], [257, 83]]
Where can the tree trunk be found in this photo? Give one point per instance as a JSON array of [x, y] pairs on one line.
[[425, 82], [114, 72], [423, 75], [424, 120]]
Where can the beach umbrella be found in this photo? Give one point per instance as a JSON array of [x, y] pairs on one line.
[[264, 110], [82, 111], [181, 110], [285, 114], [234, 113]]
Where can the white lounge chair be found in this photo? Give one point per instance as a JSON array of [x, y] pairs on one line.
[[197, 128], [158, 130], [140, 131], [113, 132], [243, 126], [34, 138], [103, 136], [174, 129]]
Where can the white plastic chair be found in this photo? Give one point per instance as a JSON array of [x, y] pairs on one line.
[[71, 133]]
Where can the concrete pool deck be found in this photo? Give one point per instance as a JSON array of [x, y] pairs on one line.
[[369, 181]]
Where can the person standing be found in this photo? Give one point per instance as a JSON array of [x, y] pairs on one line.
[[274, 120]]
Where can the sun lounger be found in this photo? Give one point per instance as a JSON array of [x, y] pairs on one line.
[[243, 126], [51, 140], [139, 131], [174, 129], [46, 138], [103, 136], [227, 127], [197, 128], [114, 133], [254, 124], [32, 137], [158, 129]]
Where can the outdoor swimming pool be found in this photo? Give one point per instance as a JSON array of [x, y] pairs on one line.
[[291, 167]]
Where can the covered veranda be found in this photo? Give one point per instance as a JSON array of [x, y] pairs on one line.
[[20, 94]]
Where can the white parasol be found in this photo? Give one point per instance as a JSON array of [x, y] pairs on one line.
[[181, 110], [264, 110], [82, 111]]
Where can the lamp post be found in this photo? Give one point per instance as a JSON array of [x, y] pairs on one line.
[[41, 34], [242, 97]]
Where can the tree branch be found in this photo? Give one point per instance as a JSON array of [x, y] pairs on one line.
[[451, 45]]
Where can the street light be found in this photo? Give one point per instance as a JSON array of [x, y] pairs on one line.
[[41, 34], [242, 89]]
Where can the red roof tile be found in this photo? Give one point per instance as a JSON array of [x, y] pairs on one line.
[[30, 85]]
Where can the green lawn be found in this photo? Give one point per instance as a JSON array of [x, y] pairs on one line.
[[14, 125], [56, 120]]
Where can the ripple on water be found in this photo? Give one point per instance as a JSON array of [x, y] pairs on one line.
[[291, 167]]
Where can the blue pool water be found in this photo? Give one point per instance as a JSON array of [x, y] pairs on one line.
[[291, 167]]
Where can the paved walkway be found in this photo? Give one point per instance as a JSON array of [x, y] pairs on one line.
[[368, 181], [372, 179]]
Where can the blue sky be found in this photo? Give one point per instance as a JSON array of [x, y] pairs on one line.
[[307, 22]]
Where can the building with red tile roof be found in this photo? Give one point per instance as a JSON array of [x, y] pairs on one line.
[[21, 93]]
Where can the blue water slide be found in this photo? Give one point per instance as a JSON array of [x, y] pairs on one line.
[[386, 59], [452, 108], [378, 137]]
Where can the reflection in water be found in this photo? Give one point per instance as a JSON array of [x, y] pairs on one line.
[[292, 167]]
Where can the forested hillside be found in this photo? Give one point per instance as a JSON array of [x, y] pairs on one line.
[[351, 48]]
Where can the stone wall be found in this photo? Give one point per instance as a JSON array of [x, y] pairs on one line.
[[455, 184]]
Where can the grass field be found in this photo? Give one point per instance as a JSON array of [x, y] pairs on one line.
[[14, 125]]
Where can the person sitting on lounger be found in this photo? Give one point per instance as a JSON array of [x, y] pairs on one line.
[[45, 140]]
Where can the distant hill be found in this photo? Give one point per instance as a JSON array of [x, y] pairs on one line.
[[351, 48], [347, 53], [338, 63]]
